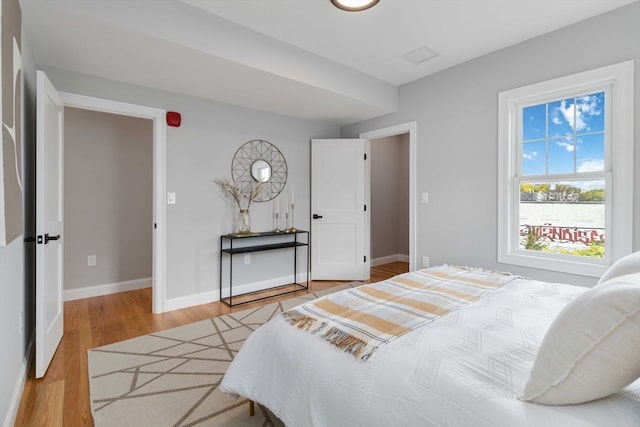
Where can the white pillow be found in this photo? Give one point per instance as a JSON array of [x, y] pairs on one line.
[[592, 348], [625, 265]]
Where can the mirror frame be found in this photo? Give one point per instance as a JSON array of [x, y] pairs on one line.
[[242, 168]]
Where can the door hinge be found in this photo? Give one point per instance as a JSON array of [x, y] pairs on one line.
[[365, 258], [365, 208], [365, 156], [155, 225], [29, 239]]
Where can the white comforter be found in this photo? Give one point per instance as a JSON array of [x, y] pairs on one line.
[[466, 369]]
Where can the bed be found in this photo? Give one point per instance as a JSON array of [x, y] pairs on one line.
[[525, 353]]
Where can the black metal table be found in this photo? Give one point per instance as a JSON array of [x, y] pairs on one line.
[[236, 243]]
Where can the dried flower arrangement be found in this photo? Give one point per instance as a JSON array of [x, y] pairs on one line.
[[232, 190]]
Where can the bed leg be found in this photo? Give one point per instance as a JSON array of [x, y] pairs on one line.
[[251, 408]]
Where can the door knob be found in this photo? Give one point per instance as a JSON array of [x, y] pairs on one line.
[[316, 216], [47, 238]]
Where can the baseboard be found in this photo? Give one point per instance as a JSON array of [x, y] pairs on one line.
[[213, 296], [191, 300], [390, 258], [14, 404], [106, 289]]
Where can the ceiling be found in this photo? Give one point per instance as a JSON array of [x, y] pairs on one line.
[[303, 59]]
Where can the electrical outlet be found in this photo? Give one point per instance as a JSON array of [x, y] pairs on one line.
[[247, 259], [91, 260], [425, 261], [171, 198], [425, 197]]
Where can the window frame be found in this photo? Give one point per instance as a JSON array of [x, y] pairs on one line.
[[617, 82]]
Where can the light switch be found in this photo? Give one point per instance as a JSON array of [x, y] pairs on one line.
[[171, 198], [425, 197]]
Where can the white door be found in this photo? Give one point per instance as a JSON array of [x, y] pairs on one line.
[[339, 225], [49, 208]]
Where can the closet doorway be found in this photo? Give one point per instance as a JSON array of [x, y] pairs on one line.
[[401, 139], [389, 199], [114, 198]]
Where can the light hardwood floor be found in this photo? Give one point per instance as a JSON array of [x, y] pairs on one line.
[[61, 398]]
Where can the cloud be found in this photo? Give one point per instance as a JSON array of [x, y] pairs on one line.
[[567, 146], [589, 105], [590, 165], [573, 116], [530, 156], [578, 113], [595, 184]]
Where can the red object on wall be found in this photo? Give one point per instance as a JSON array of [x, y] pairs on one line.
[[173, 118]]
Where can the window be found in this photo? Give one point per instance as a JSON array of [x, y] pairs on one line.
[[566, 171]]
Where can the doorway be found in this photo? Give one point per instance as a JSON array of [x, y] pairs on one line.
[[108, 200], [389, 199], [158, 253], [409, 131]]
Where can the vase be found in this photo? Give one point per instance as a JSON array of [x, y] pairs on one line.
[[244, 221]]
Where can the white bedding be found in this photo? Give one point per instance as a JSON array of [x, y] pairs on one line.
[[466, 369]]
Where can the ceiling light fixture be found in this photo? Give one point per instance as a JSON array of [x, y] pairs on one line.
[[354, 5]]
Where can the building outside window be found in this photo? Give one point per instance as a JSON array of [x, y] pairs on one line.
[[565, 184]]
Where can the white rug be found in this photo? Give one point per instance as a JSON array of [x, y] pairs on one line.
[[171, 378]]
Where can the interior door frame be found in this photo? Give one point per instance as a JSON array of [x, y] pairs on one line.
[[159, 179], [411, 128]]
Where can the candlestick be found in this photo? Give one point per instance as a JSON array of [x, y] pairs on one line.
[[276, 229], [293, 228], [286, 222], [290, 208], [276, 214], [286, 204]]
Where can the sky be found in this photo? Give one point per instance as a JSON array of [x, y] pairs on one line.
[[564, 136]]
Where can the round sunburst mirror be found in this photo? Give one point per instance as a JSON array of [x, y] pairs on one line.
[[259, 161]]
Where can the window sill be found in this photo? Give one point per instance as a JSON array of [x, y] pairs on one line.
[[582, 266]]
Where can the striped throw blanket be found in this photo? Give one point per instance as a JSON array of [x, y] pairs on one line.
[[362, 319]]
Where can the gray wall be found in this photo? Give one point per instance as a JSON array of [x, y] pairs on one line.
[[12, 303], [390, 196], [11, 206], [457, 122], [108, 194], [200, 150], [16, 280]]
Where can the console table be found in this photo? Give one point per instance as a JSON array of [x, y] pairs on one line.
[[235, 243]]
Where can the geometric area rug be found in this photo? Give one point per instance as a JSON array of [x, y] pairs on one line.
[[172, 377]]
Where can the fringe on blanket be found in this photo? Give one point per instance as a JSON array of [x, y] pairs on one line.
[[337, 337]]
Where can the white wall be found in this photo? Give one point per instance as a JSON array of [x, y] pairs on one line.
[[457, 148]]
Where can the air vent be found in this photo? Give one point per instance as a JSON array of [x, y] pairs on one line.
[[420, 55]]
